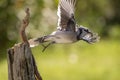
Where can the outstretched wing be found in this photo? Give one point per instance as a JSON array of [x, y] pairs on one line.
[[65, 13]]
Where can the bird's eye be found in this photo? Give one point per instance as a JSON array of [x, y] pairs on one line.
[[86, 30]]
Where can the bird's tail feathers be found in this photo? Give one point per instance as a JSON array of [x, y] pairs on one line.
[[34, 42]]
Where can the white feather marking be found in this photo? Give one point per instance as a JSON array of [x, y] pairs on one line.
[[58, 13], [68, 8]]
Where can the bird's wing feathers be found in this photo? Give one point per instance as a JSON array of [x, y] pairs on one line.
[[65, 13]]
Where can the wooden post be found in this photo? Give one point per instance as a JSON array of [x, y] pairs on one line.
[[21, 63]]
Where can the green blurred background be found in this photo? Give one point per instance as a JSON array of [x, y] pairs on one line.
[[79, 61]]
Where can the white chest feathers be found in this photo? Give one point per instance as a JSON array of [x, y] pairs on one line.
[[63, 37]]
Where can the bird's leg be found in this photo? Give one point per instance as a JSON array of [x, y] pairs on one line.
[[45, 39], [45, 47], [41, 39]]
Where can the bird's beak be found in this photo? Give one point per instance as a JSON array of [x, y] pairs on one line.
[[91, 37]]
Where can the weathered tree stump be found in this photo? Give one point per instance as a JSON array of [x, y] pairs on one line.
[[21, 63]]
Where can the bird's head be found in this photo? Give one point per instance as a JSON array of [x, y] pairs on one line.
[[85, 34]]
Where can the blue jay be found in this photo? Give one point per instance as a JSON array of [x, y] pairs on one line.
[[68, 31]]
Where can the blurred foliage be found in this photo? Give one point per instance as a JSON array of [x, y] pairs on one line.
[[11, 14], [102, 16], [78, 61]]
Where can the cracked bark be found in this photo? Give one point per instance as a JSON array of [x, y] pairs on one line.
[[21, 62]]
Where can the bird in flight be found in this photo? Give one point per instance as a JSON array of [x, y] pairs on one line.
[[68, 31]]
